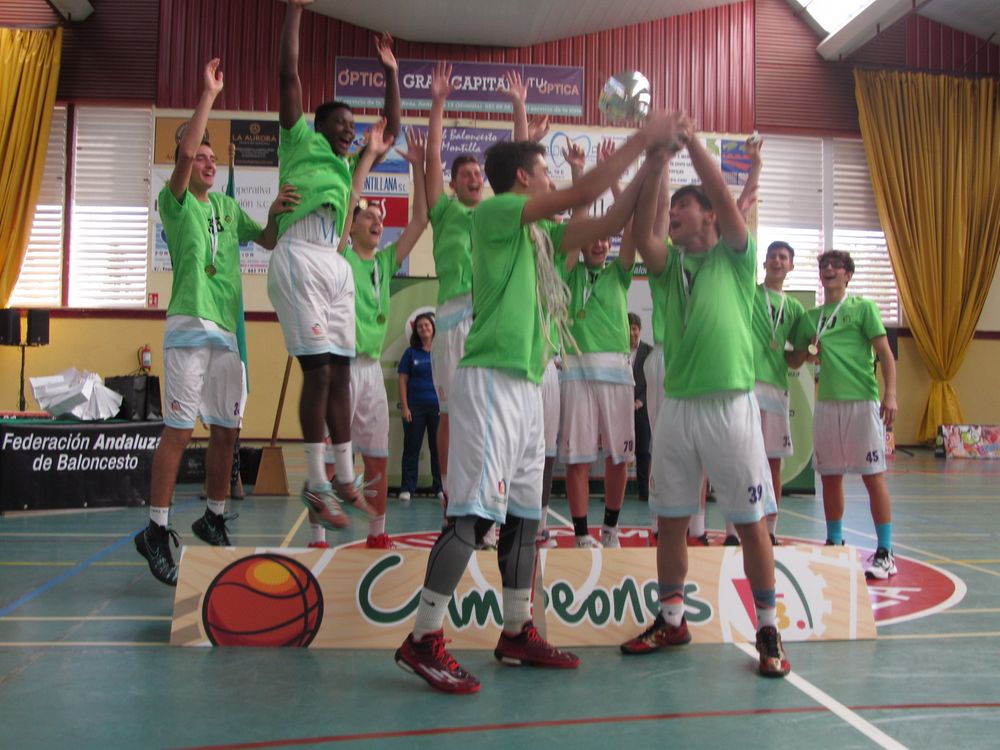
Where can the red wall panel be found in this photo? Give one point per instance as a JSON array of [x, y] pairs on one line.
[[932, 46], [700, 62], [112, 54], [28, 13]]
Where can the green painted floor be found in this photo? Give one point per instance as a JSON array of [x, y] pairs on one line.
[[84, 661]]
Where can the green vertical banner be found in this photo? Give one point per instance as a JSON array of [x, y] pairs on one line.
[[409, 297], [797, 473]]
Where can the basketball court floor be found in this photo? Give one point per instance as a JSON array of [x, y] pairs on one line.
[[84, 660]]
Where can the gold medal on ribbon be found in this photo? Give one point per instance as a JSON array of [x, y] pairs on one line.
[[210, 269], [774, 344], [380, 319], [581, 314], [812, 349]]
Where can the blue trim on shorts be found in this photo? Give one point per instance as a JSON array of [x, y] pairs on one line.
[[178, 425], [211, 421], [371, 453], [581, 459], [673, 512], [452, 320], [613, 375]]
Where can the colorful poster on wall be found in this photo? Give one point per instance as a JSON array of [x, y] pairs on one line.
[[970, 440], [477, 87]]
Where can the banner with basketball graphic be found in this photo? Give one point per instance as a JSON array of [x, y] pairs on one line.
[[363, 598]]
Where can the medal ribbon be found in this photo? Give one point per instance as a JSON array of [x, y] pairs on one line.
[[775, 321], [213, 235], [825, 321]]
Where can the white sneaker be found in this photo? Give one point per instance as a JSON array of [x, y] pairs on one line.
[[881, 565], [588, 542], [404, 497], [609, 537]]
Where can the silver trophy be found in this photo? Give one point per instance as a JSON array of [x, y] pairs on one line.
[[625, 97]]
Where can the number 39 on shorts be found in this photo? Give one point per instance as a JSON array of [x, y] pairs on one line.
[[756, 493]]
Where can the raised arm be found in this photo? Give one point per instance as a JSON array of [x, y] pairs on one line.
[[660, 127], [517, 92], [731, 223], [187, 150], [649, 225], [748, 197], [580, 233], [289, 85], [415, 146], [377, 144], [434, 174], [391, 109]]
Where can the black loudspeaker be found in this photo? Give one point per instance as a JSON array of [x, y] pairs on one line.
[[10, 327], [38, 327]]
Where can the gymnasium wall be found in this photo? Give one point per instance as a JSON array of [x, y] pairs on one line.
[[741, 67]]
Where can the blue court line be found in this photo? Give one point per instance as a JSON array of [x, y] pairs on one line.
[[36, 592]]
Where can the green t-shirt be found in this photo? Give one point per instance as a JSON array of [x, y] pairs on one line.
[[187, 225], [371, 298], [599, 308], [657, 293], [307, 160], [506, 328], [713, 353], [776, 324], [451, 221], [847, 361]]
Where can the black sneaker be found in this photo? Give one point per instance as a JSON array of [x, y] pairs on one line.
[[881, 565], [731, 540], [829, 543], [211, 528], [153, 543]]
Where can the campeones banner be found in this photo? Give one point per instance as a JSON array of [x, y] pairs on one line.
[[360, 598], [478, 87]]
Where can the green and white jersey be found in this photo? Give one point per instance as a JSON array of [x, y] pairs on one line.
[[773, 325], [371, 298], [506, 330], [708, 306], [451, 222], [599, 307], [198, 291], [307, 160], [847, 360], [657, 293]]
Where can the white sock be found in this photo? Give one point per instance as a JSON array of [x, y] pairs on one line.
[[430, 613], [218, 507], [343, 458], [318, 532], [376, 526], [159, 516], [772, 523], [696, 527], [516, 609], [315, 468]]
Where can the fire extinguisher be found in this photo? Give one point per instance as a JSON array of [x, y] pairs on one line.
[[145, 355]]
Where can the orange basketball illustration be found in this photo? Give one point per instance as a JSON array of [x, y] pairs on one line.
[[263, 600]]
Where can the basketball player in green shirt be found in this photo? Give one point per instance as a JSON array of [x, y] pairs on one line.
[[844, 335], [709, 422], [309, 283], [203, 372], [497, 439], [451, 222]]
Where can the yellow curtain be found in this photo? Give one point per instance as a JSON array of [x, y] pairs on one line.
[[933, 147], [29, 74]]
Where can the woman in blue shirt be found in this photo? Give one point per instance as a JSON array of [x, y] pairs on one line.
[[419, 405]]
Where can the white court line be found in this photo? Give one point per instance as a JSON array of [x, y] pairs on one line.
[[295, 527], [869, 730]]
